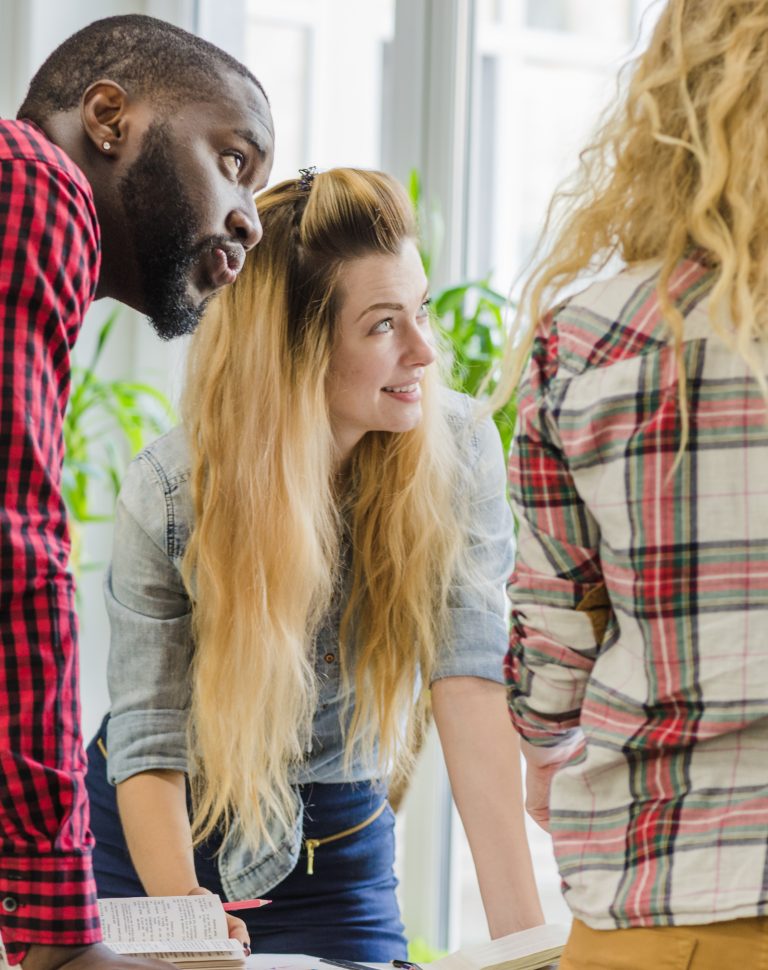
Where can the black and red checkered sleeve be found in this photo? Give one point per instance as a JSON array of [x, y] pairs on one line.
[[49, 262]]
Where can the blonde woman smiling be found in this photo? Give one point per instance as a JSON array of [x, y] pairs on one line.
[[319, 547]]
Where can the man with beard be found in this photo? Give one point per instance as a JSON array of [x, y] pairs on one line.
[[129, 173]]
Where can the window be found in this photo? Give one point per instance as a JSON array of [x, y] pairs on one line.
[[544, 70], [321, 63], [604, 20]]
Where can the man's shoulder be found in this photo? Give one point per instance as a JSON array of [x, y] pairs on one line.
[[24, 141]]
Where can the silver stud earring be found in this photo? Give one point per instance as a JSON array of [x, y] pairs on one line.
[[106, 146]]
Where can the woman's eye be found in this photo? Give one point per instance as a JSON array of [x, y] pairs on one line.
[[424, 308], [383, 326]]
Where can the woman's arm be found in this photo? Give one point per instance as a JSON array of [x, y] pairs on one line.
[[148, 672], [482, 754], [153, 810]]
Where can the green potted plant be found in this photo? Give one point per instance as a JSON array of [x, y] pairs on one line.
[[106, 423], [470, 317]]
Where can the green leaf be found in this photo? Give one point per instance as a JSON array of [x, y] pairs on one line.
[[470, 325], [106, 422], [103, 337]]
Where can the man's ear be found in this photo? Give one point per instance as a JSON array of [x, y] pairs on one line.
[[103, 115]]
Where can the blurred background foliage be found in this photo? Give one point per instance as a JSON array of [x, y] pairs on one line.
[[471, 319], [106, 423]]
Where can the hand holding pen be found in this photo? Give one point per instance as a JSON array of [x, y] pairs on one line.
[[232, 921], [236, 928]]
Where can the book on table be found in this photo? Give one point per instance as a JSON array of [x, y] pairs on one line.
[[188, 931], [532, 949]]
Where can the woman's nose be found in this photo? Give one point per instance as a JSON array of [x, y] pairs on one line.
[[421, 347]]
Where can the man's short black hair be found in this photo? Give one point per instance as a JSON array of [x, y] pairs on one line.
[[150, 58]]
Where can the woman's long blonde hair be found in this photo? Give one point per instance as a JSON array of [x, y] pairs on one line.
[[681, 164], [264, 560]]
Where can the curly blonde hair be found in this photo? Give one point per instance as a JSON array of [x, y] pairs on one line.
[[680, 164]]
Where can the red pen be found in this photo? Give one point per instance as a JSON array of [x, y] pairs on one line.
[[245, 904]]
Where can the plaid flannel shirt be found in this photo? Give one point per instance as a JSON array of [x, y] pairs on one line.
[[640, 605], [49, 264]]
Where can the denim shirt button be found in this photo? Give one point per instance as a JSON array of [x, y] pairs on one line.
[[329, 658]]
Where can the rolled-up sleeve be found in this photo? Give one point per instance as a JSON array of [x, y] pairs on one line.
[[477, 608], [151, 641], [559, 604]]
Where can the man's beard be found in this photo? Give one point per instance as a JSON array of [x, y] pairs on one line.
[[163, 229]]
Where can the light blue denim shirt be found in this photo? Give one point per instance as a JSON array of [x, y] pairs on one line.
[[151, 644]]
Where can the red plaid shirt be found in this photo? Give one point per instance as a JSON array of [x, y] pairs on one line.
[[49, 266]]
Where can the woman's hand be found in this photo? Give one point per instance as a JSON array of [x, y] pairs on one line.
[[153, 810], [237, 928], [541, 765], [538, 780]]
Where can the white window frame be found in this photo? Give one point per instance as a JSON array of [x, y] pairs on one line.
[[429, 115], [434, 101]]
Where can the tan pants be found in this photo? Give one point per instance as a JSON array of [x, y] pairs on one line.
[[739, 944]]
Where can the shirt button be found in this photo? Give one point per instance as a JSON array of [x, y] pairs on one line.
[[10, 904], [329, 658]]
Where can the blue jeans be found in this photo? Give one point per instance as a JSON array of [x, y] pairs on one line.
[[346, 909]]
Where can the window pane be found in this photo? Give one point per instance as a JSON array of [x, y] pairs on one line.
[[283, 55], [539, 97], [492, 11], [610, 20], [326, 92], [544, 71]]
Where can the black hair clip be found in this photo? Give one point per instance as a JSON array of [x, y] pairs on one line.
[[307, 178]]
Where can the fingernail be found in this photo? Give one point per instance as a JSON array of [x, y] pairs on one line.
[[247, 949]]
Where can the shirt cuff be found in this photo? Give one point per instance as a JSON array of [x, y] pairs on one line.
[[540, 731], [48, 900], [566, 747], [146, 741], [479, 642]]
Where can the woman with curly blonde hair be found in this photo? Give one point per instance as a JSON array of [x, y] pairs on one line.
[[322, 541], [638, 664]]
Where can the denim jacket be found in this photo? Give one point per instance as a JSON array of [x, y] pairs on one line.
[[151, 644]]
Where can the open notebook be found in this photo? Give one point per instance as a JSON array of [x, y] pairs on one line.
[[188, 931], [531, 949]]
